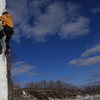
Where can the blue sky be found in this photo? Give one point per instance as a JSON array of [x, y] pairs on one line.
[[56, 40]]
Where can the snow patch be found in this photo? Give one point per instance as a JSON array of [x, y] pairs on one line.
[[87, 97]]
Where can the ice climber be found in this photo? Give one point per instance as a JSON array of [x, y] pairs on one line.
[[8, 30]]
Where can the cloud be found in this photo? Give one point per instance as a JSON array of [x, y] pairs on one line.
[[93, 82], [79, 27], [39, 19], [85, 61], [95, 10], [20, 68], [87, 57], [91, 51], [73, 9], [95, 70], [34, 74], [47, 23], [97, 75]]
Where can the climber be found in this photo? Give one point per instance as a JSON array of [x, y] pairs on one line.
[[8, 30]]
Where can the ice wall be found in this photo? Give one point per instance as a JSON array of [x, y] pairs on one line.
[[3, 62], [2, 6]]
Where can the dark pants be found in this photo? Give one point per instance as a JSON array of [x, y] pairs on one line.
[[8, 31]]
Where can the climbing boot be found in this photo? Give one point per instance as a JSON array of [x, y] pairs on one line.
[[7, 52]]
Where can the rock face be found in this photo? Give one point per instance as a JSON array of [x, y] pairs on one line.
[[10, 83]]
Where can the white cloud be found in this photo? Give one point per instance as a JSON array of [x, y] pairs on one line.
[[79, 27], [85, 61], [97, 75], [88, 57], [48, 23], [95, 70], [39, 19], [95, 10], [21, 68], [73, 9], [91, 51]]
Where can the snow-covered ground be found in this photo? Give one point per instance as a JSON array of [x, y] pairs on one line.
[[79, 97], [87, 97], [3, 68]]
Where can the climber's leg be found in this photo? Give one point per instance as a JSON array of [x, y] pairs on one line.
[[1, 36], [9, 32]]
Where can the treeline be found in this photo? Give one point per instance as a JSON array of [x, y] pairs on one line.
[[45, 89], [91, 90], [53, 89], [49, 85]]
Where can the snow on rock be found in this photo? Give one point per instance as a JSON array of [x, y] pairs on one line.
[[87, 97], [78, 97], [24, 93], [3, 68]]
